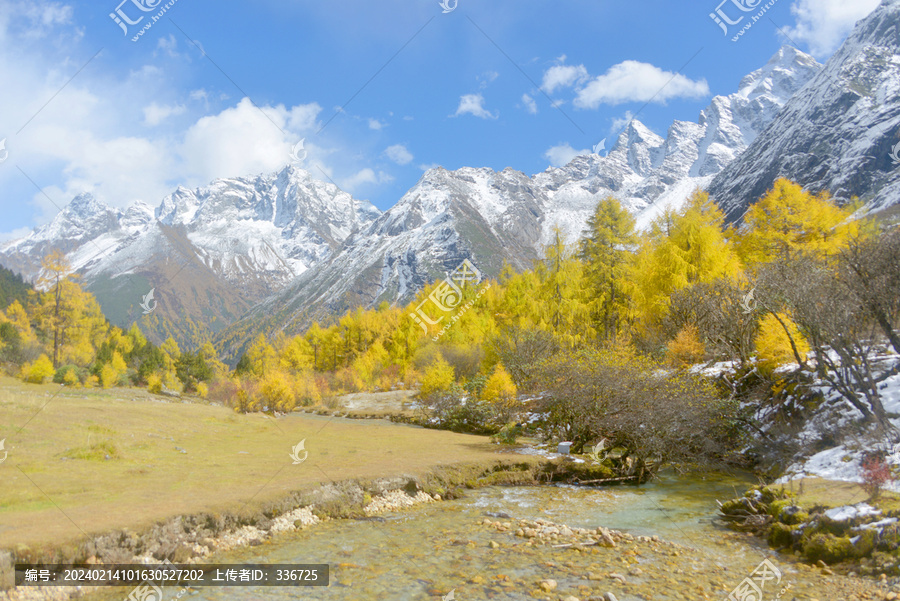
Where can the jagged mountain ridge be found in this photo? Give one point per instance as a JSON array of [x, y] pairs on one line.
[[492, 217], [836, 134], [305, 251], [210, 253]]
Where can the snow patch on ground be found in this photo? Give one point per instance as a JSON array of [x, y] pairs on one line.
[[844, 463]]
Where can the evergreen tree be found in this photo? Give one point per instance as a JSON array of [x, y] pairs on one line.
[[606, 249]]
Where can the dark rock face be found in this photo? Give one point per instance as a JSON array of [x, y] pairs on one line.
[[837, 133]]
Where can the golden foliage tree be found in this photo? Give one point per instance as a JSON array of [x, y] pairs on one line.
[[773, 342], [789, 219], [500, 388]]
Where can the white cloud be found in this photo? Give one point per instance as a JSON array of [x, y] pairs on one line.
[[530, 104], [487, 78], [168, 44], [563, 76], [242, 140], [823, 24], [399, 154], [473, 104], [15, 234], [641, 82], [426, 167], [619, 124], [154, 114], [561, 155], [376, 124], [364, 176]]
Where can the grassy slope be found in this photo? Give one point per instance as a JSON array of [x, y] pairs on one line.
[[231, 459]]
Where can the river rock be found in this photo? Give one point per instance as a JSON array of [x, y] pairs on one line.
[[607, 541], [548, 585]]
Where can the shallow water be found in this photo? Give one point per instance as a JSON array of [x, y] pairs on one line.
[[427, 551]]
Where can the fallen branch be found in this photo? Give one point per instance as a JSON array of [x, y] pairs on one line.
[[573, 544], [577, 481]]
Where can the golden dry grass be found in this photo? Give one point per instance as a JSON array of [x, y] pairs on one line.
[[58, 485]]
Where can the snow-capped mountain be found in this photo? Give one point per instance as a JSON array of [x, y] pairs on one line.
[[300, 250], [649, 173], [209, 253], [507, 216], [837, 133]]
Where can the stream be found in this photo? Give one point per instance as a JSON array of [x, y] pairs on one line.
[[430, 550]]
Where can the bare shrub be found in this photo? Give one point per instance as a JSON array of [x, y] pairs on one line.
[[658, 415]]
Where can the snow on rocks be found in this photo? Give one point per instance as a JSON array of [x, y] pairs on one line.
[[849, 512]]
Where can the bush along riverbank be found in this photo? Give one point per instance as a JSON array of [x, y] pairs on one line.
[[860, 538]]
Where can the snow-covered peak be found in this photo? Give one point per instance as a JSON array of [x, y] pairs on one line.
[[137, 216], [785, 73]]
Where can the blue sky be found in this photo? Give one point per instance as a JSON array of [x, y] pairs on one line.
[[379, 91]]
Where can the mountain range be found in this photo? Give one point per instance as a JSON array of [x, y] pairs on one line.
[[274, 252]]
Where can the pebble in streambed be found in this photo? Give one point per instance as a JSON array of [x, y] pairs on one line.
[[578, 564]]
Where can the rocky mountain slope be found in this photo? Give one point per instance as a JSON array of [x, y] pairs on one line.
[[209, 254], [838, 132], [288, 249], [492, 217]]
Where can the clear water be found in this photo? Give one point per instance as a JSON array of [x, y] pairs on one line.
[[430, 550]]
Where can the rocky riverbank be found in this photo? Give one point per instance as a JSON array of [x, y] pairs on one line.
[[191, 539]]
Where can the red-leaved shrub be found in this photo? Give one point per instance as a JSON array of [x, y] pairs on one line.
[[875, 474]]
